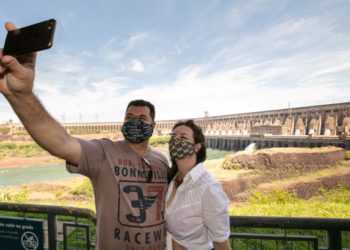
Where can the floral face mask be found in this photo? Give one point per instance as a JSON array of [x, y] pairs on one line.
[[180, 149]]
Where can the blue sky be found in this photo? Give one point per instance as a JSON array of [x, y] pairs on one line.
[[187, 57]]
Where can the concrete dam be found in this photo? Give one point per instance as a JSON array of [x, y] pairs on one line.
[[310, 126]]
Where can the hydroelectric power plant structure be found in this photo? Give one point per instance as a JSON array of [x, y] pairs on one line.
[[311, 126]]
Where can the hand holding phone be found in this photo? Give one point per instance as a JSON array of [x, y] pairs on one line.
[[30, 39]]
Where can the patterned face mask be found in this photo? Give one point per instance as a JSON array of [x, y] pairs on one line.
[[180, 149], [136, 131]]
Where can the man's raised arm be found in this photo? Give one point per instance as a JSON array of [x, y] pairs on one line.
[[16, 84]]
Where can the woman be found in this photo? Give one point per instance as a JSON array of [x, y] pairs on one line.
[[196, 213]]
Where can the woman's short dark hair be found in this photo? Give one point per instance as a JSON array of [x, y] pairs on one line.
[[198, 137]]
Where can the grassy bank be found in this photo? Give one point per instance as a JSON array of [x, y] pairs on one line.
[[10, 149], [325, 204], [78, 192], [20, 149]]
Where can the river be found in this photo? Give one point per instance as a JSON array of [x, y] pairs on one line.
[[27, 175]]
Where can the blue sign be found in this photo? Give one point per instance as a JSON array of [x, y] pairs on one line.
[[21, 234]]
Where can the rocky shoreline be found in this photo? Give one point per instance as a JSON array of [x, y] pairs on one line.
[[300, 171], [42, 160]]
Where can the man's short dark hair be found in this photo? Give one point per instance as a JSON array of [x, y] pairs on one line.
[[143, 103]]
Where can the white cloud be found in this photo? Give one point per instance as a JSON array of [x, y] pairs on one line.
[[136, 66], [67, 18], [300, 79], [175, 50], [221, 93], [63, 62], [137, 39], [292, 34]]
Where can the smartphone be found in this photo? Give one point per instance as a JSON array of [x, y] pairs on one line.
[[30, 39]]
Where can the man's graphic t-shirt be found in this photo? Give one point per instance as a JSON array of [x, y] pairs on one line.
[[130, 205]]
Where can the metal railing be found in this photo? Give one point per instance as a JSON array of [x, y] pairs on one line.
[[247, 232], [52, 213], [288, 230]]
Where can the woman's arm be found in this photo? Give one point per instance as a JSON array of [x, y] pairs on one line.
[[215, 216], [222, 245], [177, 246]]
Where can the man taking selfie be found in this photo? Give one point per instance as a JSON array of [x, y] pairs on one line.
[[129, 178]]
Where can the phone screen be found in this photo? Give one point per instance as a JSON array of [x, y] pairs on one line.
[[30, 39]]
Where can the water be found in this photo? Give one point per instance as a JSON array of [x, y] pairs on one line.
[[27, 175], [213, 154]]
